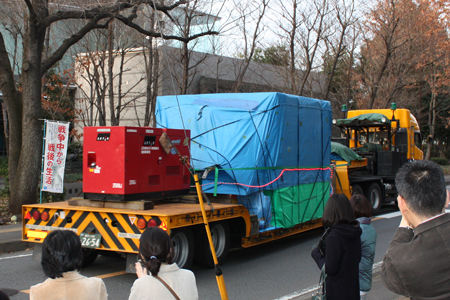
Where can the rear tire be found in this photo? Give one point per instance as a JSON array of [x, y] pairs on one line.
[[375, 197], [183, 244], [357, 189], [89, 256], [220, 232]]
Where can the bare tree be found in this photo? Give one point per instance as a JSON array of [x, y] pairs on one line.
[[250, 23], [24, 105], [304, 27], [336, 43]]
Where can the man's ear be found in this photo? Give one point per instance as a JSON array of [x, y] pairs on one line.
[[402, 206], [447, 201]]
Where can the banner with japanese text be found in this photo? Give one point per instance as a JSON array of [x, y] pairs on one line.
[[55, 152]]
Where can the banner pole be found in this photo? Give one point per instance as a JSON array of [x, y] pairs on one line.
[[42, 160]]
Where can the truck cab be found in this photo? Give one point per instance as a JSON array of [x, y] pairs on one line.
[[383, 140]]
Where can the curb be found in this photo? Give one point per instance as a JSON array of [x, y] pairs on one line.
[[15, 246]]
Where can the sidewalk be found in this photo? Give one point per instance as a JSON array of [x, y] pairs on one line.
[[377, 292]]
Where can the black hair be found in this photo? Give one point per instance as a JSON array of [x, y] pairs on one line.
[[338, 210], [155, 246], [61, 252], [422, 184], [3, 295], [361, 206]]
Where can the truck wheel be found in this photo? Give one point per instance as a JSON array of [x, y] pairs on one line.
[[183, 243], [89, 256], [375, 197], [357, 189], [220, 232]]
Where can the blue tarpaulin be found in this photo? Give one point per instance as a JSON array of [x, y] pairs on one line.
[[252, 137]]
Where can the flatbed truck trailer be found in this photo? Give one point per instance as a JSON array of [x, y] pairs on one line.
[[113, 226], [266, 149]]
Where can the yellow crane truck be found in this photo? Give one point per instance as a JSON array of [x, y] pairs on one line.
[[374, 144]]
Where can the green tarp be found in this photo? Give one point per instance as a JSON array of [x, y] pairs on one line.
[[364, 119], [346, 153], [298, 204]]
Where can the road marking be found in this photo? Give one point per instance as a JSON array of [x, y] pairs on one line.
[[390, 215], [314, 287], [395, 214], [17, 256], [10, 230], [111, 274]]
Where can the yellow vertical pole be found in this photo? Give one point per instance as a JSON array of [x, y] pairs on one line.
[[218, 270]]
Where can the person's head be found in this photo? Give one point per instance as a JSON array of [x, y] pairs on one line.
[[3, 296], [361, 206], [155, 246], [61, 252], [337, 210], [421, 185]]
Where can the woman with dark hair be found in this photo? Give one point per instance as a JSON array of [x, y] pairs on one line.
[[158, 276], [339, 249], [363, 211], [62, 258]]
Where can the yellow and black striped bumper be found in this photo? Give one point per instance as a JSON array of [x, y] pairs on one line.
[[119, 231]]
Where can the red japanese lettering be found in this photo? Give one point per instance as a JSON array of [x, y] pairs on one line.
[[60, 146], [61, 137], [51, 147], [50, 156], [49, 171], [61, 129]]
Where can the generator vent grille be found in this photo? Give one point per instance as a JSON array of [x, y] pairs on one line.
[[153, 180], [173, 170]]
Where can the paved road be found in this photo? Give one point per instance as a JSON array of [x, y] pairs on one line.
[[279, 270]]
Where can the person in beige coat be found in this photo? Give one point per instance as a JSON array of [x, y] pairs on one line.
[[158, 276], [62, 258]]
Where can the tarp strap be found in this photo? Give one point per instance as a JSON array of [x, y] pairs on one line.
[[216, 178], [268, 168], [216, 172]]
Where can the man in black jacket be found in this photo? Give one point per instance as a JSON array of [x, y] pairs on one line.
[[417, 262]]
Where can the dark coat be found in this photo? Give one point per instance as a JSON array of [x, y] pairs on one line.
[[417, 263], [368, 243], [342, 256]]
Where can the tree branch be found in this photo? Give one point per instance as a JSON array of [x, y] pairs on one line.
[[107, 11], [30, 9], [59, 53], [138, 28]]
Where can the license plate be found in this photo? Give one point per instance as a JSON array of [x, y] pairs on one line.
[[90, 240]]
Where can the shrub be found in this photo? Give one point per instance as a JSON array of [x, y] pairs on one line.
[[73, 177], [3, 166], [75, 148], [440, 161]]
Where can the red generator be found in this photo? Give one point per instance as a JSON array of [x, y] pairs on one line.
[[129, 163]]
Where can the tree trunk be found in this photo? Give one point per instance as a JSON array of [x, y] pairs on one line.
[[13, 106], [111, 76], [431, 119], [27, 143]]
